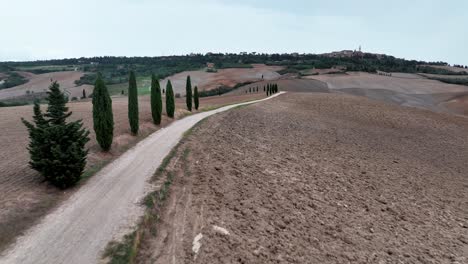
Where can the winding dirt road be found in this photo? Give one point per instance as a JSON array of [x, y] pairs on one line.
[[106, 207]]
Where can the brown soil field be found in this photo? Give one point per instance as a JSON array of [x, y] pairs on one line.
[[406, 75], [24, 197], [457, 104], [402, 89], [224, 77], [38, 83], [317, 178], [400, 85]]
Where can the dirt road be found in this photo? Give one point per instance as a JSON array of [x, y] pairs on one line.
[[103, 209], [318, 178]]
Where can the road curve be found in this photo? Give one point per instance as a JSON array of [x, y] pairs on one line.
[[106, 206]]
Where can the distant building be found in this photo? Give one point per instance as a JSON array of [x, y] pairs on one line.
[[210, 65], [350, 54]]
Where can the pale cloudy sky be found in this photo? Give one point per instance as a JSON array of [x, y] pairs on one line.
[[427, 30]]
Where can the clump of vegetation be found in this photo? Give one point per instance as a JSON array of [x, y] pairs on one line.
[[221, 90], [133, 104], [188, 94], [9, 104], [170, 101], [57, 148], [156, 100], [103, 119], [13, 79], [433, 70], [461, 81]]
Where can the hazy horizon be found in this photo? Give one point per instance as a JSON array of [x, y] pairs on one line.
[[54, 29]]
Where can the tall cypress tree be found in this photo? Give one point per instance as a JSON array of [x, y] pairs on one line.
[[170, 103], [188, 93], [57, 148], [195, 98], [103, 119], [156, 100], [133, 104]]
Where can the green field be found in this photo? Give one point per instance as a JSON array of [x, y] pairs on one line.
[[143, 84]]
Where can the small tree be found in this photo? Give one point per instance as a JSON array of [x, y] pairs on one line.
[[188, 93], [156, 100], [133, 104], [84, 94], [57, 148], [170, 103], [196, 98], [103, 119]]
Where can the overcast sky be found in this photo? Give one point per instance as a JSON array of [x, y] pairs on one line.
[[427, 30]]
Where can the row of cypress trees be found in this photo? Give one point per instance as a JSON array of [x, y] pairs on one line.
[[253, 90], [156, 102], [271, 88], [188, 95], [57, 147]]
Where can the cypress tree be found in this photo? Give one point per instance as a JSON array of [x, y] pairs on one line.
[[188, 93], [133, 104], [170, 103], [156, 100], [84, 94], [103, 119], [195, 98], [57, 148]]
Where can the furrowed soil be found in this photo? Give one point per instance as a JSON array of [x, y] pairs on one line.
[[317, 178]]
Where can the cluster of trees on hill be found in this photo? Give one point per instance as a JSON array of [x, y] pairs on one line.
[[13, 79], [57, 147]]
